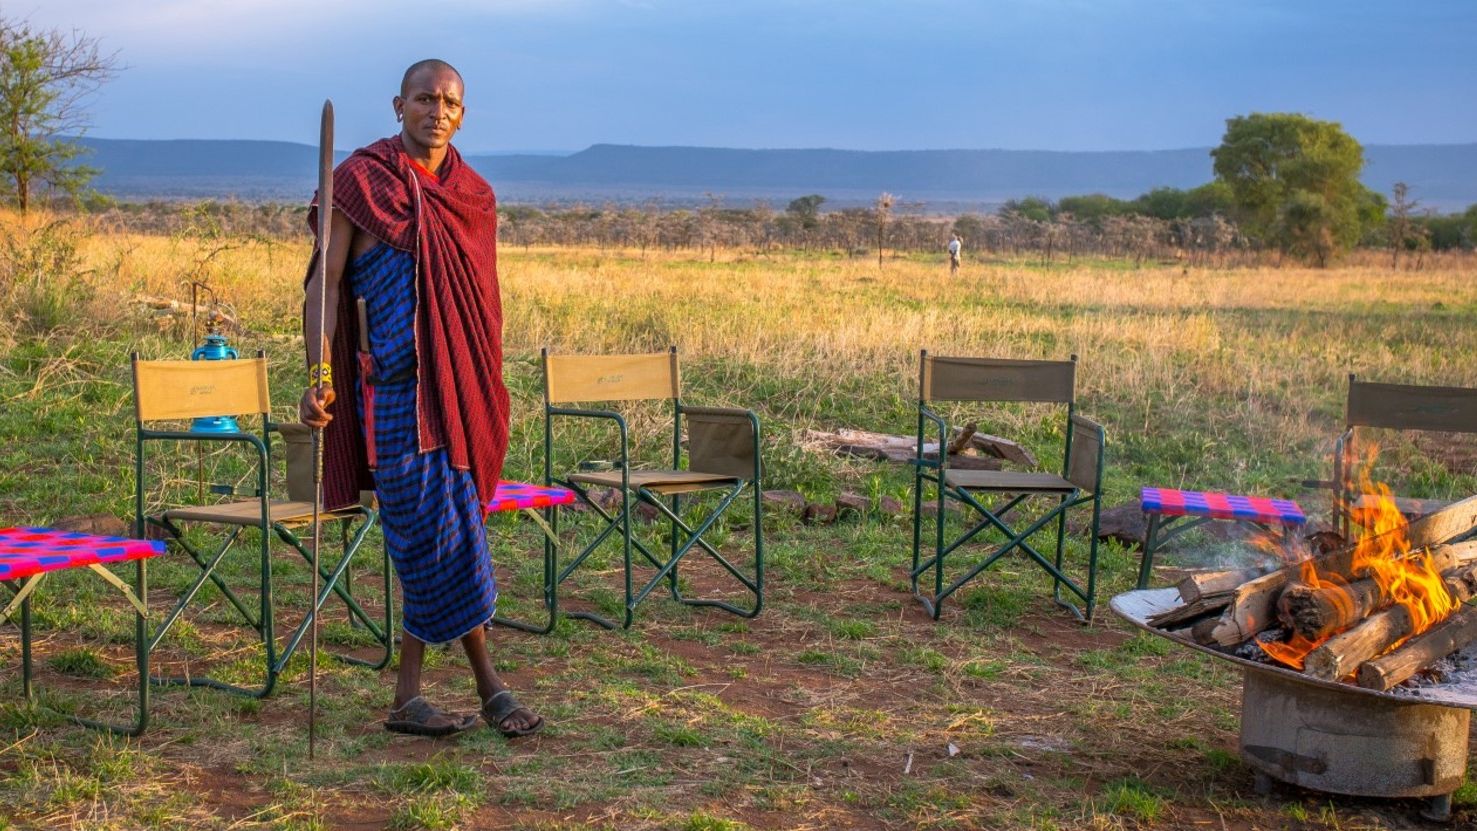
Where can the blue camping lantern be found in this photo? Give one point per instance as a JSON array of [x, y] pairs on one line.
[[214, 349]]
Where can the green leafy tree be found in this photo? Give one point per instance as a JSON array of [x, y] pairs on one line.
[[1284, 168], [1033, 208], [45, 78], [806, 210], [1093, 208], [970, 228], [1210, 199], [1162, 203]]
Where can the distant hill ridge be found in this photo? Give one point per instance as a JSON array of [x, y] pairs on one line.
[[1440, 176]]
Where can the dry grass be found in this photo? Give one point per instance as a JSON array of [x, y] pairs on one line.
[[1253, 361]]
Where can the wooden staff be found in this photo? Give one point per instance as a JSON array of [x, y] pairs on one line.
[[319, 379]]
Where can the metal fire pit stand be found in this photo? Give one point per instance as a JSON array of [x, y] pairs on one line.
[[1338, 738], [1336, 742]]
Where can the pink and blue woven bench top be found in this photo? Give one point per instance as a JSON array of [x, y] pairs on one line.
[[28, 551], [1171, 502], [518, 496]]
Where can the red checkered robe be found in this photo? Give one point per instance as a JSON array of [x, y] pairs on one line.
[[449, 222]]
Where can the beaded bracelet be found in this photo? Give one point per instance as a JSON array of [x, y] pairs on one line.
[[320, 374]]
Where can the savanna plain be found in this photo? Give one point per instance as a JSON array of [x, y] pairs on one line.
[[842, 705]]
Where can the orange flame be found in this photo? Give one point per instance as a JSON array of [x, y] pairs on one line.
[[1382, 554]]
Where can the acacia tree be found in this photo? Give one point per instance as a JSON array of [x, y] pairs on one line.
[[1295, 182], [884, 211], [1405, 234], [45, 78]]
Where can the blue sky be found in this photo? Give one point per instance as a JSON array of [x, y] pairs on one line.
[[858, 74]]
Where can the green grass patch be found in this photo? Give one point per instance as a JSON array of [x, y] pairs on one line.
[[82, 663], [1131, 797]]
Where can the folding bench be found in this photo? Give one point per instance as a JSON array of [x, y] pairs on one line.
[[28, 555], [1004, 380], [1170, 513], [723, 456]]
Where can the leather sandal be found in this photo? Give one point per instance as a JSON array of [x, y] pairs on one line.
[[418, 717], [502, 705]]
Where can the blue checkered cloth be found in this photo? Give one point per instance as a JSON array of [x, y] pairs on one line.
[[429, 511]]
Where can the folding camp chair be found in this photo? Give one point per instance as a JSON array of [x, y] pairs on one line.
[[1394, 407], [723, 455], [28, 555], [173, 390], [1002, 380]]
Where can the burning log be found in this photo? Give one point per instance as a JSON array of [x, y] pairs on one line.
[[1315, 612], [1190, 613], [1444, 525], [1253, 604], [1419, 652], [1251, 608], [1198, 586], [1342, 654]]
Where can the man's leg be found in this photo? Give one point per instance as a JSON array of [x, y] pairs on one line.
[[488, 682], [408, 688], [408, 681]]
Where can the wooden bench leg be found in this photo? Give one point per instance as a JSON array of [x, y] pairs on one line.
[[1146, 563]]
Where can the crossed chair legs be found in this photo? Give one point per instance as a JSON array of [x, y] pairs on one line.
[[683, 539], [334, 581], [995, 519]]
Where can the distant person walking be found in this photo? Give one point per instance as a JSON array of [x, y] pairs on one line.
[[954, 247]]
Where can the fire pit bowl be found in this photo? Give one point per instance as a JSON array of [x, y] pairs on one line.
[[1411, 741]]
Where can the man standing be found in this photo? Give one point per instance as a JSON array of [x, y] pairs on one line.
[[413, 246], [954, 246]]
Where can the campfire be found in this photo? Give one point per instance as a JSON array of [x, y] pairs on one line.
[[1374, 613], [1359, 657]]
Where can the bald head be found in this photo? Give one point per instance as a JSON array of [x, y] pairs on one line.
[[428, 65]]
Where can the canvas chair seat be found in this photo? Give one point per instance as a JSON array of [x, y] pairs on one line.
[[287, 513], [1008, 481], [245, 513], [657, 481]]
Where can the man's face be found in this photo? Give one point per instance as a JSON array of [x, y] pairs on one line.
[[431, 107]]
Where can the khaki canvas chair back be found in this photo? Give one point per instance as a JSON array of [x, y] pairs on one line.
[[1411, 407], [570, 379], [170, 390], [997, 379]]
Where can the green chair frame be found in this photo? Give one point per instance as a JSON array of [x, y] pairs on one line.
[[1004, 380], [172, 390], [724, 454], [1394, 407]]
